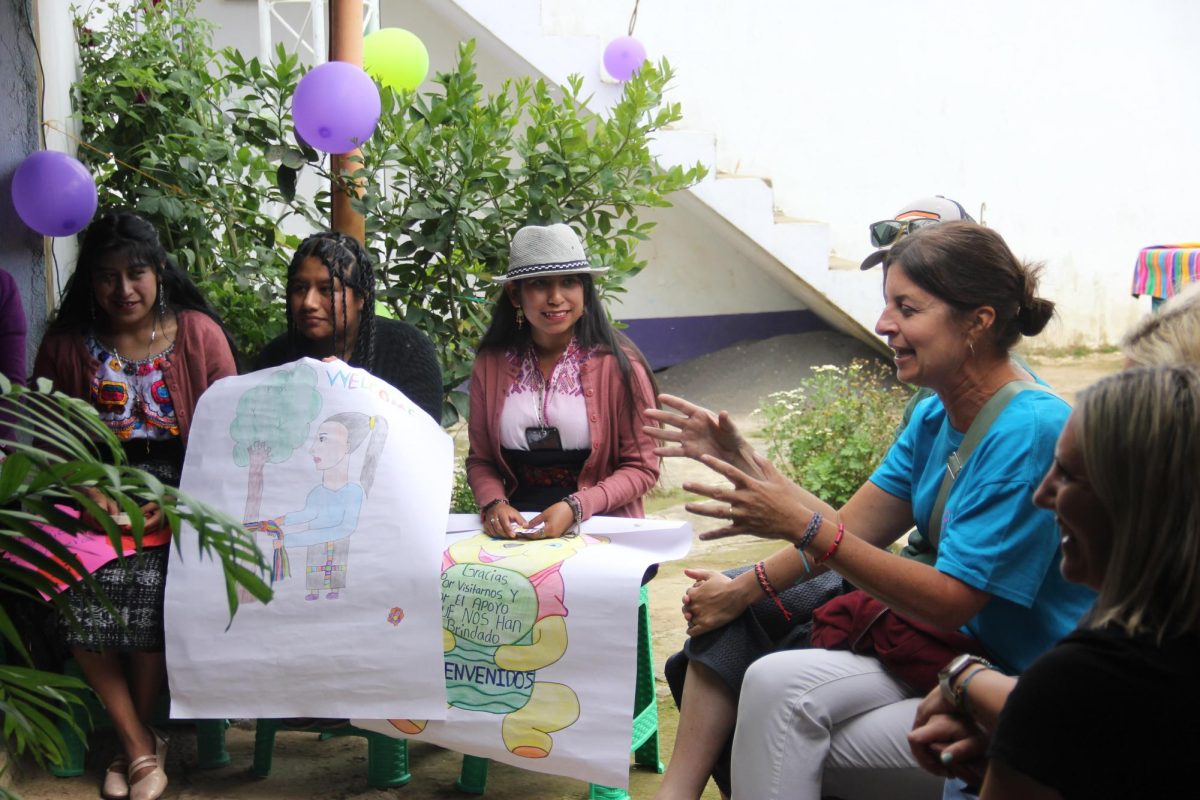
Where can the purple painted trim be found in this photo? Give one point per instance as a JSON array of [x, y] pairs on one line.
[[669, 340]]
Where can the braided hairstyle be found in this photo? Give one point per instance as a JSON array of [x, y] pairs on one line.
[[348, 262]]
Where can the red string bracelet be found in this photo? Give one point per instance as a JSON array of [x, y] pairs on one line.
[[760, 572], [833, 548]]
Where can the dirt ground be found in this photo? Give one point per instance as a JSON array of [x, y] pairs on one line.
[[305, 767]]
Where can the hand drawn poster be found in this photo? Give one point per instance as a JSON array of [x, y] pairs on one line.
[[540, 642], [346, 484]]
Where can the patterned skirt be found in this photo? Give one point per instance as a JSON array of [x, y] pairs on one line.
[[136, 590]]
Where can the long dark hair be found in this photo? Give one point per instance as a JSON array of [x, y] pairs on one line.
[[124, 232], [349, 263], [593, 329]]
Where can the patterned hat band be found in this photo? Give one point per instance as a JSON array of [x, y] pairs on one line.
[[547, 269], [546, 250]]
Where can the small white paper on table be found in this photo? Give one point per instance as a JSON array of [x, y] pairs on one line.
[[541, 646], [355, 480]]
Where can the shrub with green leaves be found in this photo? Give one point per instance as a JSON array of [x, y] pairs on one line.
[[449, 175], [462, 499], [829, 434]]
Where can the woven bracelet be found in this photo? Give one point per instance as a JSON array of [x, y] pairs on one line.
[[760, 572], [483, 512], [810, 531]]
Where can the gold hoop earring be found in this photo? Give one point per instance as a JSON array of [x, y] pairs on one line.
[[520, 317]]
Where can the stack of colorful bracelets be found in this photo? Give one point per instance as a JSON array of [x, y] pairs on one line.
[[810, 533]]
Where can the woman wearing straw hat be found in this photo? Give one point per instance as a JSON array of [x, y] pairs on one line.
[[556, 398]]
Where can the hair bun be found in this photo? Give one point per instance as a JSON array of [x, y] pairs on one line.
[[1034, 315]]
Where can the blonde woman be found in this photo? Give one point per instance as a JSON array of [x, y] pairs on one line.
[[1081, 719]]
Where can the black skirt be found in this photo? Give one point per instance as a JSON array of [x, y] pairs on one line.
[[136, 587]]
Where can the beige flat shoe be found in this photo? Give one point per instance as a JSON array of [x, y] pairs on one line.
[[116, 784], [160, 745], [152, 783]]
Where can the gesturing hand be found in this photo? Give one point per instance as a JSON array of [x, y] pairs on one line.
[[771, 507], [700, 432]]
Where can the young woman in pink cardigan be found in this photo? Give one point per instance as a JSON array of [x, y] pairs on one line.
[[556, 399], [134, 337]]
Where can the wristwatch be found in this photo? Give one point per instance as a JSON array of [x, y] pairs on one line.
[[952, 670]]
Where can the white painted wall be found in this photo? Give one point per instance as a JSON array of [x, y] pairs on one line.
[[1075, 122]]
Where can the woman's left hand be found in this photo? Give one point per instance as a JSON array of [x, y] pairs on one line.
[[555, 521], [771, 507], [945, 742], [154, 516]]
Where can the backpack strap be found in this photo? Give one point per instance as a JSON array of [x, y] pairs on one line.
[[992, 409]]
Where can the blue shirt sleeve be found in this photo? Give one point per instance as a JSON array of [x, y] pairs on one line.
[[896, 473]]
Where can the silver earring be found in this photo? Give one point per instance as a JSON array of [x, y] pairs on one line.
[[971, 347]]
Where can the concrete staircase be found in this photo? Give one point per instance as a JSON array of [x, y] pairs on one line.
[[740, 209]]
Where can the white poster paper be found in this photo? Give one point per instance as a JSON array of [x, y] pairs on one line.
[[541, 646], [346, 483]]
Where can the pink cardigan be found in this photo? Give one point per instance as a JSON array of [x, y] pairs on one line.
[[621, 467], [200, 359]]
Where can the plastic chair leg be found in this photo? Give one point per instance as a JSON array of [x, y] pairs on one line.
[[473, 776], [75, 737], [210, 743], [387, 760], [264, 745]]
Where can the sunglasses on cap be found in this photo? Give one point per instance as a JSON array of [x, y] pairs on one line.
[[885, 232]]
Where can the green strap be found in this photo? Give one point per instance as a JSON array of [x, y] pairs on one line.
[[979, 428]]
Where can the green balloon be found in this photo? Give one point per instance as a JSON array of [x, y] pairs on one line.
[[396, 58]]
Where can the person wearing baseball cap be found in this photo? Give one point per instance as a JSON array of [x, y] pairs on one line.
[[910, 219]]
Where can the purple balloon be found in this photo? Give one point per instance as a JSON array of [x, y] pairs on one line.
[[336, 107], [623, 57], [53, 193]]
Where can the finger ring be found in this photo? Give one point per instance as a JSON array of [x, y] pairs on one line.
[[493, 519]]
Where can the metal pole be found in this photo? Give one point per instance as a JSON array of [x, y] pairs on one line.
[[346, 44], [316, 15], [264, 31]]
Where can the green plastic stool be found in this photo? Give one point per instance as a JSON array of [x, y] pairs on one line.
[[387, 757], [473, 776], [210, 733]]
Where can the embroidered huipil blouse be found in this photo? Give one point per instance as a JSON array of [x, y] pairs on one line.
[[532, 401], [131, 396]]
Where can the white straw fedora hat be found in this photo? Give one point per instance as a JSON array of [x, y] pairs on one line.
[[550, 250]]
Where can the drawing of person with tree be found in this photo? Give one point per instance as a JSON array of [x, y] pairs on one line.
[[271, 424]]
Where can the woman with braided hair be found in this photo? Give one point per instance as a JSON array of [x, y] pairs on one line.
[[331, 312]]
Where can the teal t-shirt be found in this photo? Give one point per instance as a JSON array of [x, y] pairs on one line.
[[993, 538]]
